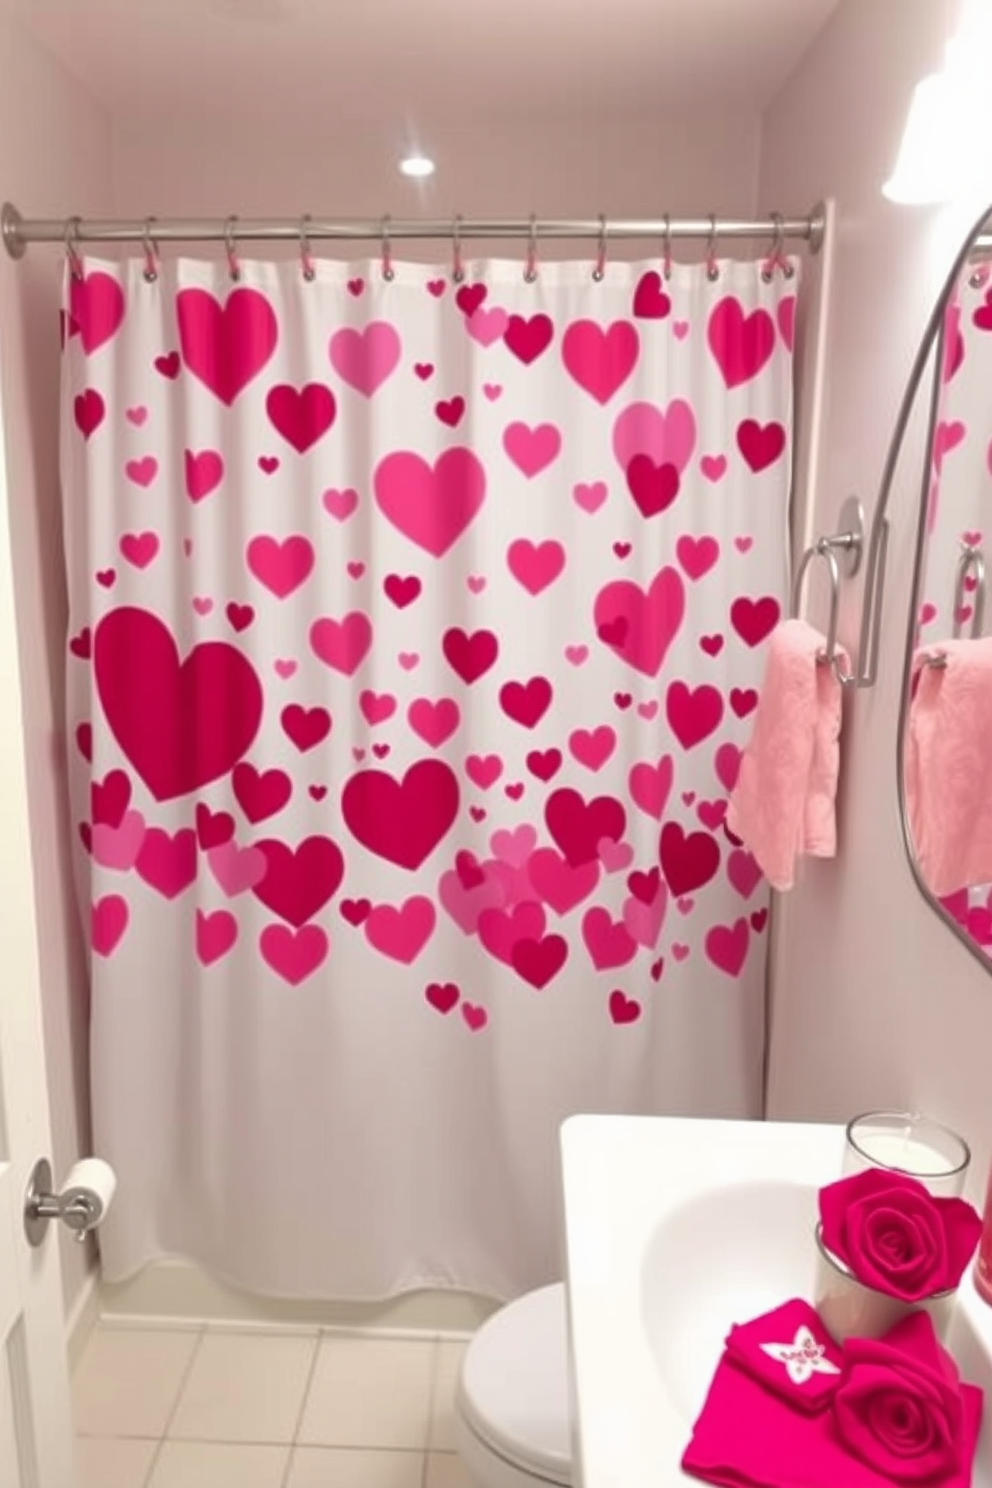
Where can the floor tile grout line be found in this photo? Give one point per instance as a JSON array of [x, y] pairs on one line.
[[187, 1372], [304, 1398], [153, 1464]]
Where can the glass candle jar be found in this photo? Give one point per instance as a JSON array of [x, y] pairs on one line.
[[905, 1142]]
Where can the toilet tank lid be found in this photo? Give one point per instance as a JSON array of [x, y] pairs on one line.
[[514, 1386]]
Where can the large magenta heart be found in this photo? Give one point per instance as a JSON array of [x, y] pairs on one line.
[[298, 881], [180, 723], [641, 626], [402, 820], [225, 346], [579, 826]]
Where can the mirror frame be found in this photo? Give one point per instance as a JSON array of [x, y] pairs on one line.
[[933, 340]]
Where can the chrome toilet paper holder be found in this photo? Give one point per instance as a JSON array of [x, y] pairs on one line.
[[80, 1212]]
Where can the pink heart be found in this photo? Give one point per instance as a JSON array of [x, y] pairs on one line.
[[535, 566], [592, 747], [475, 583], [614, 856], [600, 360], [697, 555], [355, 569], [365, 359], [475, 1018], [268, 464], [693, 713], [680, 952], [623, 1009], [665, 436], [711, 813], [743, 544], [645, 921], [96, 309], [136, 416], [714, 467], [408, 660], [139, 548], [282, 566], [650, 785], [236, 869], [513, 847], [167, 860], [928, 612], [483, 770], [947, 436], [492, 391], [741, 344], [294, 954], [227, 346], [340, 504], [203, 606], [743, 872], [434, 721], [342, 644], [301, 415], [108, 921], [726, 946], [401, 932], [681, 329], [285, 669], [142, 472], [685, 905], [532, 449], [589, 496], [785, 314], [466, 904], [376, 707], [89, 411], [216, 933], [576, 654], [204, 473], [728, 764], [486, 326], [558, 883], [118, 847], [638, 625], [430, 505], [608, 941]]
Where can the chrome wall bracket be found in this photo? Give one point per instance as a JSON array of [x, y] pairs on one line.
[[80, 1214]]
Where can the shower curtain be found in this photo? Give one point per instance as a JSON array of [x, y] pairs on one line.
[[416, 628]]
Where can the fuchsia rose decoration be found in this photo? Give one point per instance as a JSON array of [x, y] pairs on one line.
[[899, 1407], [894, 1236]]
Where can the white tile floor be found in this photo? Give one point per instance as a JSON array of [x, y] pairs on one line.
[[216, 1408]]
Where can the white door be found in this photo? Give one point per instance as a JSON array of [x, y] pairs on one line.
[[35, 1424]]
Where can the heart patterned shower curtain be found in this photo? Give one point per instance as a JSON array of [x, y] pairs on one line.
[[415, 630]]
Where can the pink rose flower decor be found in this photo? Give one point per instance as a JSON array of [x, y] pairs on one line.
[[896, 1237]]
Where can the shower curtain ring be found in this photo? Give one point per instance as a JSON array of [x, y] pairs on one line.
[[776, 257], [306, 257], [600, 269], [233, 266], [530, 268], [712, 267], [457, 267], [666, 262], [386, 251], [151, 251], [70, 236]]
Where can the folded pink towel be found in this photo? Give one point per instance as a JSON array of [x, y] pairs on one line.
[[948, 767], [783, 803], [891, 1410]]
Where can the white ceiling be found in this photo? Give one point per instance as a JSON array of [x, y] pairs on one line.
[[412, 61]]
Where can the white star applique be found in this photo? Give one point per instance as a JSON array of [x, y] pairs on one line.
[[802, 1358]]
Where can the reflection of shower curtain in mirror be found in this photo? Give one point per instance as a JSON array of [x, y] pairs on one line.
[[959, 513], [415, 632]]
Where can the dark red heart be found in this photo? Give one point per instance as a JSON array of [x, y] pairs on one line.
[[645, 886], [578, 826], [306, 727], [650, 300], [299, 881], [213, 828], [528, 338], [402, 591], [687, 861], [469, 656], [404, 820], [526, 702], [239, 615], [544, 763], [355, 911], [109, 799], [653, 487], [469, 297], [168, 365]]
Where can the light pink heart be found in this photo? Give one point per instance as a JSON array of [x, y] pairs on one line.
[[203, 606], [648, 710], [142, 472], [667, 436], [237, 869], [486, 326], [294, 955], [285, 669], [743, 872], [281, 565], [118, 847], [476, 583], [139, 548], [401, 932], [342, 644], [513, 847], [645, 921], [136, 416], [432, 505], [559, 884], [576, 655], [535, 566], [614, 856], [697, 555], [465, 905], [608, 941], [492, 391], [650, 785], [592, 747], [408, 660], [714, 467], [365, 359], [589, 496], [340, 504], [532, 448], [434, 721]]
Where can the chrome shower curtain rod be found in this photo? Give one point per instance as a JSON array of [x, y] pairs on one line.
[[19, 231]]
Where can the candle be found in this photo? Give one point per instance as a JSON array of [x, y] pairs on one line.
[[907, 1143]]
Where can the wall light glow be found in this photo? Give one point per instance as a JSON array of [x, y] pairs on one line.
[[417, 166]]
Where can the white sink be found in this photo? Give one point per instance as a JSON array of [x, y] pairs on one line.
[[674, 1230]]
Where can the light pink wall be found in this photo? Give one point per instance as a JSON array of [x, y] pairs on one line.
[[875, 1002], [55, 149], [633, 167]]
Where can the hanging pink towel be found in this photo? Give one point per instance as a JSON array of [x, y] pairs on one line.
[[783, 805], [893, 1412], [948, 767]]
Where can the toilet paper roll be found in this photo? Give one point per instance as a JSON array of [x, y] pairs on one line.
[[91, 1180]]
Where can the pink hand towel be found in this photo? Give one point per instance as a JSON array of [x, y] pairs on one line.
[[948, 767], [896, 1414], [783, 803]]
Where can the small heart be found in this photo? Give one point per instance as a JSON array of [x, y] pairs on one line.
[[685, 905], [106, 577], [492, 391], [743, 544], [971, 539], [187, 546], [680, 951], [168, 366], [317, 792], [962, 613], [475, 1018], [268, 464], [285, 669], [624, 1009], [688, 797], [476, 583], [928, 612], [442, 995], [648, 710], [424, 370], [623, 700], [589, 495], [971, 584], [714, 467], [355, 911], [340, 504], [758, 920], [436, 287], [355, 287], [240, 616], [576, 654], [711, 644], [657, 967], [514, 791], [450, 411], [355, 570], [408, 660], [477, 813], [84, 741], [203, 606], [622, 549], [357, 754], [380, 751], [614, 856], [136, 416], [681, 329]]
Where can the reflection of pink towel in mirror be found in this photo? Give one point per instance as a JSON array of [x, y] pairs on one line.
[[783, 802], [948, 767]]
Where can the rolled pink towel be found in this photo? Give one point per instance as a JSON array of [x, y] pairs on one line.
[[783, 805], [948, 767]]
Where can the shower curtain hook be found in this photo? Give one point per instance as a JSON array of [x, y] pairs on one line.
[[233, 267], [530, 269], [151, 251], [457, 267], [712, 267], [666, 262], [776, 258], [600, 269], [386, 251], [70, 236], [306, 257]]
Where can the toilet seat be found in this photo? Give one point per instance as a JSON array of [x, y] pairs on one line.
[[513, 1388]]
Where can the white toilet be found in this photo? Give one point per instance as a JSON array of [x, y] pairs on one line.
[[512, 1404]]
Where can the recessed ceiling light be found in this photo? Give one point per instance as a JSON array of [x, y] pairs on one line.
[[417, 165]]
